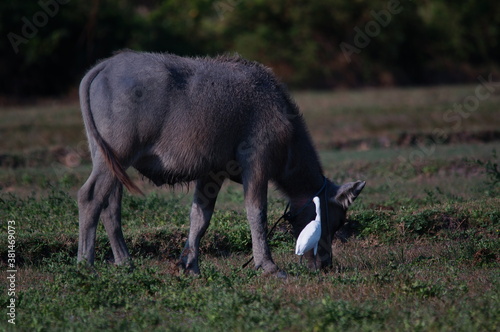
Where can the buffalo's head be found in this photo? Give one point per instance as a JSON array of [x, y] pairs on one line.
[[334, 202]]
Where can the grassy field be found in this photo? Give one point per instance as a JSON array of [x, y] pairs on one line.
[[420, 251]]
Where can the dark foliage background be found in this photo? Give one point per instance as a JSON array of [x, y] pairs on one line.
[[426, 42]]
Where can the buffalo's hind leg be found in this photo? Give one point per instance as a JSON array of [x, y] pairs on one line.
[[99, 193], [202, 209], [111, 217]]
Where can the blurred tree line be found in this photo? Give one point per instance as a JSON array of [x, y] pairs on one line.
[[47, 45]]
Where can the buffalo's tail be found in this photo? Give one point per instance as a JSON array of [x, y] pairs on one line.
[[109, 155]]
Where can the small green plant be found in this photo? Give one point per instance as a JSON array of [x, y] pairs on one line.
[[376, 223], [423, 289]]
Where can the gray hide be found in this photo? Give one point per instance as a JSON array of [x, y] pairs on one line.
[[177, 120]]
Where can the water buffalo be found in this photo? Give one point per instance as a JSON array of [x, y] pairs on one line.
[[177, 119]]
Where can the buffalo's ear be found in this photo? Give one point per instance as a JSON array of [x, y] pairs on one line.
[[347, 193]]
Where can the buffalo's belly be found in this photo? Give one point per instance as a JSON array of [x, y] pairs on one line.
[[169, 169]]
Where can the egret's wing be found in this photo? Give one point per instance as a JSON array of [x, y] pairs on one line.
[[308, 238], [316, 236], [300, 247]]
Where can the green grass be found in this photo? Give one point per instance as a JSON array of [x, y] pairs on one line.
[[152, 297], [419, 251]]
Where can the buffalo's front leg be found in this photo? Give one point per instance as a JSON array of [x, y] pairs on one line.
[[256, 207], [202, 209]]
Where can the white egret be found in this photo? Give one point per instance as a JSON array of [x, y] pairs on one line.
[[310, 235]]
